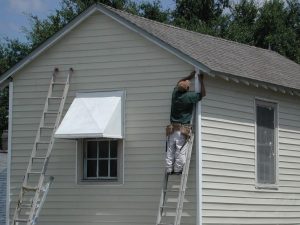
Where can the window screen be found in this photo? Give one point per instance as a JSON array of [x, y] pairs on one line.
[[101, 160], [266, 146]]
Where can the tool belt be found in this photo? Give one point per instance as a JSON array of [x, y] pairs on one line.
[[185, 129]]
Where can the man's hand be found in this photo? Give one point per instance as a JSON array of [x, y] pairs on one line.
[[189, 77]]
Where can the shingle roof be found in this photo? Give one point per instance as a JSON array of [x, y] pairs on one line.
[[224, 56], [217, 55]]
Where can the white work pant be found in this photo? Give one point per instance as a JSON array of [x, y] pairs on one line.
[[176, 154]]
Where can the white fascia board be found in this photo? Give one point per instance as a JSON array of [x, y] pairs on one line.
[[9, 151], [83, 135], [255, 83], [199, 152]]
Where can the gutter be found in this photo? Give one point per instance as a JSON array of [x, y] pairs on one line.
[[198, 137]]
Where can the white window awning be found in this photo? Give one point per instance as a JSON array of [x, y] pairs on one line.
[[93, 115]]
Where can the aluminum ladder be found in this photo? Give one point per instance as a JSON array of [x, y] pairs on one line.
[[181, 192], [33, 190]]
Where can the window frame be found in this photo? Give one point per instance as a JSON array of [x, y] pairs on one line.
[[98, 158], [80, 165], [274, 104]]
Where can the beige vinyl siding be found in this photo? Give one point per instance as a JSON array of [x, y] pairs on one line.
[[105, 56], [230, 195]]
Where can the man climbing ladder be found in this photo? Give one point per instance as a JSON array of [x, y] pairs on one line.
[[179, 148], [179, 130]]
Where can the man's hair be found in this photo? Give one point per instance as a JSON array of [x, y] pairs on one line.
[[183, 85]]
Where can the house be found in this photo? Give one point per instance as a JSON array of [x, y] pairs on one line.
[[249, 139]]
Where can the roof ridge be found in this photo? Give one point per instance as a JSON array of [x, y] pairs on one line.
[[190, 31]]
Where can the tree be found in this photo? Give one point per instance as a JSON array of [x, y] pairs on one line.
[[3, 112], [11, 52], [204, 16], [154, 11], [243, 21], [274, 29]]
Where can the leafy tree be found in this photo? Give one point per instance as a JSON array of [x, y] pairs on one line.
[[3, 112], [243, 21], [274, 29], [154, 11], [204, 16], [11, 51], [42, 29]]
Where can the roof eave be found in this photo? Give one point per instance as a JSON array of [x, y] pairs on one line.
[[98, 7]]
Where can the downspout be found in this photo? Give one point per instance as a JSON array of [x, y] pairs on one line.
[[198, 137], [10, 110]]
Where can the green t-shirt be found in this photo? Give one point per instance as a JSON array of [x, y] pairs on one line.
[[182, 105]]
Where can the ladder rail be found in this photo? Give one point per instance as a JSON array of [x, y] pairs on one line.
[[183, 183], [42, 121], [47, 186], [162, 197], [33, 152], [34, 207], [184, 177], [50, 147]]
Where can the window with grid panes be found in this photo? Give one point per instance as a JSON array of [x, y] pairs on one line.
[[266, 147], [101, 160]]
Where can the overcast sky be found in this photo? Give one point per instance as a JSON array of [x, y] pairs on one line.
[[13, 14]]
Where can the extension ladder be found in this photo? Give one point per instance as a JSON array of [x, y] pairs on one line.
[[33, 190], [181, 192]]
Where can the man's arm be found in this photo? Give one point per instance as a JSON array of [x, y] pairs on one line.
[[189, 77]]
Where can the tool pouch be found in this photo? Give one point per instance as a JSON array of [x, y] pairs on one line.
[[184, 129]]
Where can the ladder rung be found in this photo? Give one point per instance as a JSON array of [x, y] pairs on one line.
[[42, 142], [21, 220], [26, 206], [47, 127], [167, 207], [58, 83], [29, 188], [51, 112], [172, 191], [38, 157], [35, 172], [55, 97]]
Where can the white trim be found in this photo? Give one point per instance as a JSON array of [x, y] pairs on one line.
[[276, 142], [95, 182], [60, 34], [198, 135], [10, 111]]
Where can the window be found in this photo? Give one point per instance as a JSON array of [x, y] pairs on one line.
[[101, 160], [266, 143]]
